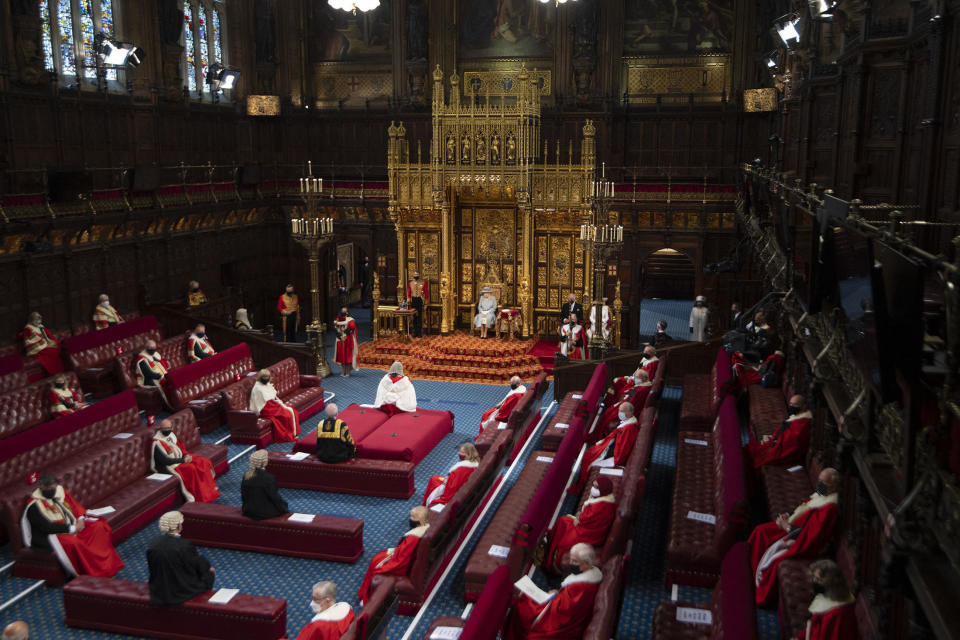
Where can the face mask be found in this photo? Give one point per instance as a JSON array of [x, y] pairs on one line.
[[792, 410], [289, 292], [573, 569], [166, 432], [594, 492], [38, 323], [48, 493], [195, 289], [60, 385], [822, 488], [265, 380], [315, 607], [200, 334], [151, 351], [637, 381], [819, 588], [514, 386], [414, 524], [105, 303], [622, 416], [461, 456]]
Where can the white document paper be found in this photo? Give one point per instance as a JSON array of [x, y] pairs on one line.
[[223, 596], [301, 517], [298, 456], [611, 472], [561, 425], [500, 427], [123, 435], [498, 551], [709, 518], [198, 402], [102, 511], [438, 507], [532, 591], [369, 406], [796, 468], [699, 443], [577, 396], [546, 459], [446, 633], [692, 615], [157, 476]]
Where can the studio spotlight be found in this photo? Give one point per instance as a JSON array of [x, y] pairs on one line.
[[116, 54], [822, 8], [771, 61], [786, 28], [219, 77]]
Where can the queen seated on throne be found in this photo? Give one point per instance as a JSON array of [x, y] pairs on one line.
[[486, 311]]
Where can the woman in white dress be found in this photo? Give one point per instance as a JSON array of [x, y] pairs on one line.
[[699, 316], [486, 311]]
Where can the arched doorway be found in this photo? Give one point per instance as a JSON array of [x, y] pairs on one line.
[[668, 273]]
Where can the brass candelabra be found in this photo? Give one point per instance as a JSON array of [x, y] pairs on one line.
[[602, 241]]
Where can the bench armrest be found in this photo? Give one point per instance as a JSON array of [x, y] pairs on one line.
[[310, 381], [242, 419]]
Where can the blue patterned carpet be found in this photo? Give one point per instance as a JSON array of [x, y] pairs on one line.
[[675, 312]]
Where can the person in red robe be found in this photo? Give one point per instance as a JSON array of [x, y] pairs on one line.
[[747, 375], [572, 344], [614, 450], [105, 315], [441, 489], [395, 393], [331, 618], [396, 560], [650, 361], [806, 533], [619, 388], [832, 612], [589, 526], [347, 348], [195, 473], [265, 402], [39, 343], [198, 345], [55, 521], [63, 400], [569, 609], [635, 394], [789, 443], [500, 412]]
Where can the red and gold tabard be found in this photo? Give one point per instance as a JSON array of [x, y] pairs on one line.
[[104, 316], [195, 298], [418, 289], [38, 342], [153, 362], [287, 304]]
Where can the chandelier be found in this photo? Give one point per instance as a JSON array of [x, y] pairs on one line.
[[557, 3], [355, 5]]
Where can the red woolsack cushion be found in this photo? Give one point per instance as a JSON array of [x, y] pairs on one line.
[[196, 370], [361, 420], [94, 339], [407, 436]]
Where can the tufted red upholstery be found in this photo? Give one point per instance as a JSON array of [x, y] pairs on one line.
[[185, 426], [768, 409], [12, 374], [732, 605], [784, 489], [386, 478], [372, 620], [27, 406], [701, 395], [198, 385], [31, 365], [606, 607], [172, 350], [709, 479], [519, 420], [121, 606], [303, 393], [326, 538], [446, 527], [91, 355], [795, 593], [552, 436], [80, 329]]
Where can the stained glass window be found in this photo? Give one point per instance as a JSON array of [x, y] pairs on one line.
[[188, 45], [215, 32], [86, 31], [106, 17], [202, 47], [68, 64], [47, 37]]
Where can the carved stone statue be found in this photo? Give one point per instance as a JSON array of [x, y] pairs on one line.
[[451, 154], [481, 148], [584, 46], [265, 20], [495, 149], [511, 149], [417, 25], [465, 148], [27, 51]]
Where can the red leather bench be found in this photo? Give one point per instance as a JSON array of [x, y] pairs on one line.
[[487, 615], [302, 392], [371, 623], [768, 409], [732, 606], [326, 538], [709, 480], [198, 385], [172, 350], [385, 478], [552, 436], [606, 606], [12, 374], [122, 606], [92, 354], [88, 327], [701, 395], [520, 417], [584, 406], [28, 406], [361, 419], [446, 527]]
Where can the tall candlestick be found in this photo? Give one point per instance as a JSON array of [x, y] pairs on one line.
[[309, 167]]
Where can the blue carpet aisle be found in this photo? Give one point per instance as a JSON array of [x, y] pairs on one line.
[[675, 312]]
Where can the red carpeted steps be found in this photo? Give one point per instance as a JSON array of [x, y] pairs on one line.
[[458, 357]]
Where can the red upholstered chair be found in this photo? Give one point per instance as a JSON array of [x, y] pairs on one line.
[[28, 406], [148, 399], [92, 354], [198, 385]]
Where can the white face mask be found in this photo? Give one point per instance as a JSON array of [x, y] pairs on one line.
[[315, 606], [594, 492], [105, 303], [622, 416]]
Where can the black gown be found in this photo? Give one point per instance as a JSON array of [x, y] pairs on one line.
[[177, 571], [575, 309], [261, 500]]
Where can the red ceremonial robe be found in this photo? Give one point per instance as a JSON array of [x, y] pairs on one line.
[[590, 526], [196, 477], [769, 544], [564, 617], [58, 407], [623, 437], [393, 563], [787, 446], [89, 552], [40, 343], [831, 620], [650, 366], [621, 386], [441, 490], [286, 421], [329, 624], [637, 396], [501, 411], [346, 342], [747, 375]]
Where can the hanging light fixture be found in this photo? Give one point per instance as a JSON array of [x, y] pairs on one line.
[[354, 5], [557, 3]]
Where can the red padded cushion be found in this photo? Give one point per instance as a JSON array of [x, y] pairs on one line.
[[362, 421], [407, 436]]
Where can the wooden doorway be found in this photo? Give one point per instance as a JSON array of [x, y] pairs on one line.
[[668, 273]]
